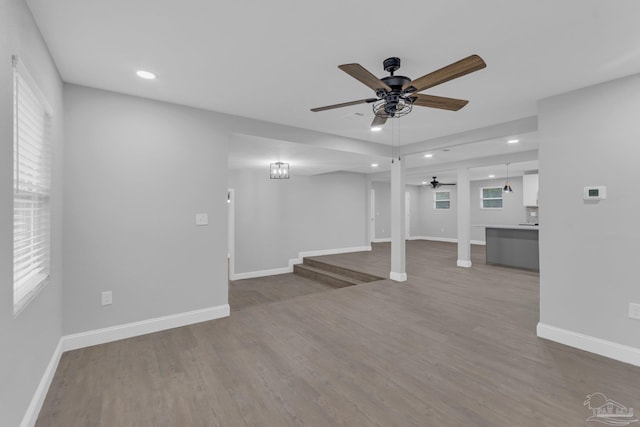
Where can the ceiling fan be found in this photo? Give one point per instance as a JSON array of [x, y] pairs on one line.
[[435, 183], [396, 95]]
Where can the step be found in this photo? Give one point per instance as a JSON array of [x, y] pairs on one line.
[[342, 271], [323, 276]]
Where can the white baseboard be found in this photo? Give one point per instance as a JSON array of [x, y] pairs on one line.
[[464, 263], [447, 239], [129, 330], [31, 416], [398, 277], [261, 273], [382, 240], [322, 252], [298, 260], [612, 350]]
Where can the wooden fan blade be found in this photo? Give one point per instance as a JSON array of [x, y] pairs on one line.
[[344, 104], [453, 71], [361, 74], [378, 121], [438, 102]]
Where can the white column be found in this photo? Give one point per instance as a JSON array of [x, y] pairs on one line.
[[398, 259], [464, 218]]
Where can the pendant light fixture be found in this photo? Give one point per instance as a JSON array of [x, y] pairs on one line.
[[279, 170], [507, 186]]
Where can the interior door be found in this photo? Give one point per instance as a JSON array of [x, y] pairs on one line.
[[407, 215], [372, 216]]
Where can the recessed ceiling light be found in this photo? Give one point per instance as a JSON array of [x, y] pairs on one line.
[[424, 182], [492, 176], [376, 129], [513, 141], [428, 156], [374, 165], [146, 74]]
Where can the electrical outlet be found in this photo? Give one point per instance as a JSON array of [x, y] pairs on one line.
[[106, 298], [634, 311]]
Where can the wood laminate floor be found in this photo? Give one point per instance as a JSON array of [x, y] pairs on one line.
[[449, 347]]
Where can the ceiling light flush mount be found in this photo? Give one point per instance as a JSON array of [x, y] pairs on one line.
[[279, 170], [147, 75], [374, 165], [507, 186], [428, 156], [513, 141], [492, 176], [376, 128]]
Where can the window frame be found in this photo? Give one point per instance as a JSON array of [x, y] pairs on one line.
[[435, 199], [482, 198], [33, 117]]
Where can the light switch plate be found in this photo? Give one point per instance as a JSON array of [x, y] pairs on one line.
[[106, 298], [634, 311], [202, 219]]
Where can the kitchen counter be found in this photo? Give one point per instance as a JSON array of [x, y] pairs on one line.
[[512, 245], [513, 227]]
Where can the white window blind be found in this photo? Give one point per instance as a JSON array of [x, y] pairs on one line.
[[31, 188]]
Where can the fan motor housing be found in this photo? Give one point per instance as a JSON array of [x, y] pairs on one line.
[[391, 64]]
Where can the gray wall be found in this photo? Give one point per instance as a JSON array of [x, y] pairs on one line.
[[415, 203], [442, 223], [29, 340], [277, 219], [589, 251], [136, 173], [434, 221], [512, 212]]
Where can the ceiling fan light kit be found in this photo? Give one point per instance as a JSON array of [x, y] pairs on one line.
[[396, 95]]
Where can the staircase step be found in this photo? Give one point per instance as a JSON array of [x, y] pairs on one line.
[[320, 275], [342, 271]]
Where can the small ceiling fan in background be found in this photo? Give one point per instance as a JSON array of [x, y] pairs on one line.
[[396, 95], [435, 183]]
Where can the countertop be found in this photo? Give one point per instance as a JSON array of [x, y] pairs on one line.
[[512, 227]]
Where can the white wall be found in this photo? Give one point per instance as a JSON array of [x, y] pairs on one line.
[[277, 219], [136, 173], [589, 251], [28, 341]]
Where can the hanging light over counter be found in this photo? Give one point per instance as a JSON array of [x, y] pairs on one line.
[[507, 186]]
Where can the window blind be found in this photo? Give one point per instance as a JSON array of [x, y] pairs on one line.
[[31, 188]]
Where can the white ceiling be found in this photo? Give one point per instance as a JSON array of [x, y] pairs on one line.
[[275, 60]]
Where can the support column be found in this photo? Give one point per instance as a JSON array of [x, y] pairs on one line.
[[464, 218], [398, 242]]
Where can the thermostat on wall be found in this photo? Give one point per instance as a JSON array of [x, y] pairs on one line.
[[595, 192]]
